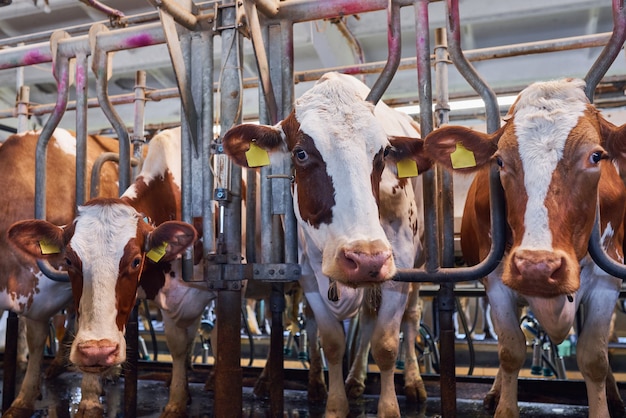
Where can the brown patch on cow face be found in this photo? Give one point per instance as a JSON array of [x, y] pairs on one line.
[[130, 267], [378, 165], [316, 192]]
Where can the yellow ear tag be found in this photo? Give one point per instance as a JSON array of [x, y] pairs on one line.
[[48, 248], [462, 157], [407, 168], [156, 253], [257, 156]]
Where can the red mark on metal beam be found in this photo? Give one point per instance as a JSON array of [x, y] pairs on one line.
[[137, 41], [36, 57]]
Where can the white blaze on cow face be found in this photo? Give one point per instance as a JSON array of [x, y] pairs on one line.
[[543, 122], [350, 141], [101, 236]]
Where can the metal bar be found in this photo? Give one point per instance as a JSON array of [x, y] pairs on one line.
[[178, 64], [304, 10], [62, 76], [100, 68], [9, 367], [261, 60], [228, 371], [138, 138], [178, 13], [610, 51], [393, 55], [268, 7], [81, 77], [445, 296]]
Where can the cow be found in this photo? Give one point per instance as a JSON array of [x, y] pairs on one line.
[[357, 222], [118, 249], [25, 290], [557, 156]]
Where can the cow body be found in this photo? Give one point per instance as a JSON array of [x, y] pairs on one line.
[[24, 289], [357, 223], [557, 157], [118, 248]]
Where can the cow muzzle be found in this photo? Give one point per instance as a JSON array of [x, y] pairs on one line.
[[360, 263], [541, 273], [96, 356]]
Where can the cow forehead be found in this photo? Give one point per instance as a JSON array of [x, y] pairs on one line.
[[101, 234], [338, 119], [544, 116]]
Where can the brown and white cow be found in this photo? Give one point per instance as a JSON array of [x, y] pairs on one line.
[[557, 157], [357, 222], [118, 248], [23, 288]]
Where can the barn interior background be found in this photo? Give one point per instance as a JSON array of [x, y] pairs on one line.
[[511, 44]]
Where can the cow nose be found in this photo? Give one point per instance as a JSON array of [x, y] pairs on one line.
[[97, 353], [537, 264], [366, 261]]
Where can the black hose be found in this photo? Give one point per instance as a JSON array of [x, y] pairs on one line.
[[468, 338]]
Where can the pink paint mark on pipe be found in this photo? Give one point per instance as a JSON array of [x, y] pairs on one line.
[[81, 78], [137, 41], [36, 57]]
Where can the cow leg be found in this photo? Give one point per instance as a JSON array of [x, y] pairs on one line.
[[24, 403], [91, 389], [616, 404], [592, 346], [333, 342], [385, 343], [355, 382], [179, 343], [414, 388], [316, 390], [511, 349]]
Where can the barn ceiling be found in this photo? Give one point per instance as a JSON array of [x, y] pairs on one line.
[[323, 44]]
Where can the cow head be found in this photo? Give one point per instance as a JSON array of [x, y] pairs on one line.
[[339, 150], [552, 153], [106, 251]]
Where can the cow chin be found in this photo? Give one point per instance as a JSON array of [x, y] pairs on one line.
[[359, 263], [541, 273]]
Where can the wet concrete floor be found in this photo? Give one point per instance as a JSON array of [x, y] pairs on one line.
[[61, 397]]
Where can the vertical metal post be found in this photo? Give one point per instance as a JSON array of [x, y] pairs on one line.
[[138, 139], [23, 99], [9, 380], [228, 372], [445, 296], [81, 77]]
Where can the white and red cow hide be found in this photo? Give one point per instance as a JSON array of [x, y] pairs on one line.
[[119, 248], [557, 157], [23, 288], [357, 222]]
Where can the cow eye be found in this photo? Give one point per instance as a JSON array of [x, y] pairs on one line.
[[300, 154], [499, 162], [68, 262], [595, 157], [387, 151], [136, 262]]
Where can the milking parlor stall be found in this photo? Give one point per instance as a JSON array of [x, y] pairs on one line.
[[273, 322]]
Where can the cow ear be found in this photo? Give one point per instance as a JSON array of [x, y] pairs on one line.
[[403, 148], [460, 148], [170, 239], [36, 238], [238, 140], [614, 141]]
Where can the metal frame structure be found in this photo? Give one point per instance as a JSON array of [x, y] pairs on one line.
[[189, 29]]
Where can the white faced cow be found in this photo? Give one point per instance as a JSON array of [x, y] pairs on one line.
[[24, 289], [557, 156], [112, 247], [357, 222]]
